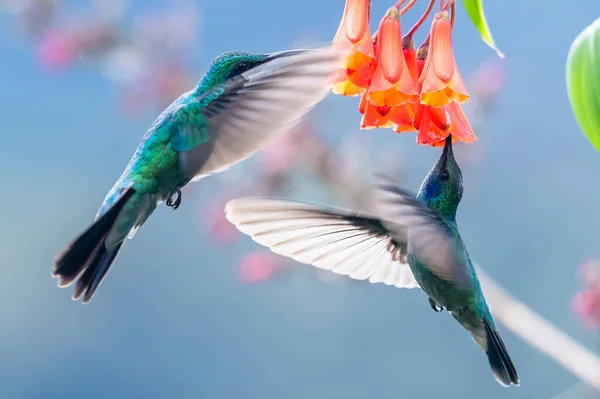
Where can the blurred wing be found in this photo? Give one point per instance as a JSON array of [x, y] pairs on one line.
[[344, 242], [434, 244], [236, 119]]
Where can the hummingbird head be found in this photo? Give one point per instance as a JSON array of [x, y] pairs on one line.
[[442, 189], [229, 65]]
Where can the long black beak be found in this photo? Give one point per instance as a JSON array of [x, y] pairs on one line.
[[447, 152], [284, 53]]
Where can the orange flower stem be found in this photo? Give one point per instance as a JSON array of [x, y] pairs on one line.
[[399, 4], [446, 5], [423, 19], [453, 8], [407, 7]]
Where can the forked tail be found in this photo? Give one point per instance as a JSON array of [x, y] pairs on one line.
[[500, 362], [86, 259]]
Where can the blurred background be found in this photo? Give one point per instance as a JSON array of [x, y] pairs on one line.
[[193, 309]]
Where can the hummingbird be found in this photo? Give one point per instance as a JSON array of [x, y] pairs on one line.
[[407, 241], [243, 102]]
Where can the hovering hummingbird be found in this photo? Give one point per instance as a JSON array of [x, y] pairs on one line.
[[243, 102], [407, 242]]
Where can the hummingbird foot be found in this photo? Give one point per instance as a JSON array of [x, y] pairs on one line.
[[435, 306], [174, 199]]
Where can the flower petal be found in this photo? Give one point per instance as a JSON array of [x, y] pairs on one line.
[[390, 47], [441, 40], [460, 126], [439, 117], [375, 117], [429, 133], [347, 88], [356, 19], [409, 57]]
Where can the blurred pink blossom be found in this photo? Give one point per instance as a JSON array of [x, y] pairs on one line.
[[56, 50], [257, 267], [586, 303], [221, 231], [488, 80]]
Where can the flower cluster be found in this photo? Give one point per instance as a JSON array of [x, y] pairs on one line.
[[403, 88]]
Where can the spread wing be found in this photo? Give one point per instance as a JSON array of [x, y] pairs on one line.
[[345, 242], [434, 243], [232, 121]]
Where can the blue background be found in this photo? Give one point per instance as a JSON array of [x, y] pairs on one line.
[[172, 321]]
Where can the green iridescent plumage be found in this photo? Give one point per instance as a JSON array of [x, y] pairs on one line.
[[243, 102]]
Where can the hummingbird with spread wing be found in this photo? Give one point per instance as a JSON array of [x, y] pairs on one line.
[[409, 241], [243, 102]]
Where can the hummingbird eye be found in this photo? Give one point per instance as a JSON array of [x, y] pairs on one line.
[[238, 69], [444, 175]]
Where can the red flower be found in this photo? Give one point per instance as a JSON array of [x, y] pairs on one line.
[[354, 39], [437, 123], [392, 82], [383, 116], [441, 82]]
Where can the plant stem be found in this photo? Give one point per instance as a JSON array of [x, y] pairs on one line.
[[408, 6], [399, 3], [423, 18]]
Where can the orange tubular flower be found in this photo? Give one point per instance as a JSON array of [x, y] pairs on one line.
[[441, 81], [353, 38], [436, 123], [392, 82], [406, 124], [383, 117]]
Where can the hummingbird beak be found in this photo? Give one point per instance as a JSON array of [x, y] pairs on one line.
[[447, 153], [280, 54]]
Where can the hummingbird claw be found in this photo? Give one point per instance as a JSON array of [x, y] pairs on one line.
[[174, 199], [435, 306]]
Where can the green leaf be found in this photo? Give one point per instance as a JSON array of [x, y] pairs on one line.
[[583, 81], [475, 11]]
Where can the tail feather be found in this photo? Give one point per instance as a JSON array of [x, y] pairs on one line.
[[500, 362], [91, 278], [87, 257]]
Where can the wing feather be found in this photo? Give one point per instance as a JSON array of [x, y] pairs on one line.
[[434, 243], [249, 111], [335, 239]]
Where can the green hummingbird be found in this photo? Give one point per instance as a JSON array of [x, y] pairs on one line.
[[243, 102], [407, 242]]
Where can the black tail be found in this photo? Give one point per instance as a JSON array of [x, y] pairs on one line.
[[86, 256], [502, 367]]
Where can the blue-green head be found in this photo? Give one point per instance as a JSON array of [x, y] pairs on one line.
[[442, 189], [229, 65]]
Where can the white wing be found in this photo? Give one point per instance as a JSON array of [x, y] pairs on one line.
[[345, 242]]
